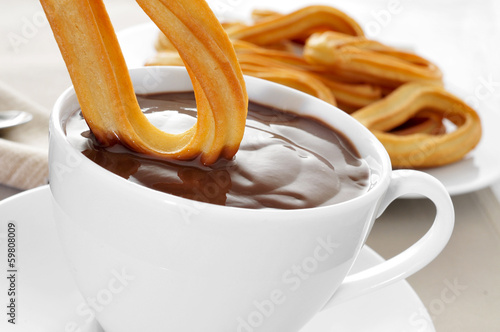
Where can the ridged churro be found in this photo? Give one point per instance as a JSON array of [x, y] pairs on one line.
[[298, 24], [420, 149], [93, 56], [368, 60], [337, 63]]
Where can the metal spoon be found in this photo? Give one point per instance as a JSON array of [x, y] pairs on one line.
[[13, 118]]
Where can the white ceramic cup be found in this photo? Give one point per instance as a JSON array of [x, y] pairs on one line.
[[149, 261]]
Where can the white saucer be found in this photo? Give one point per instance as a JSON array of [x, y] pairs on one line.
[[477, 170], [48, 300]]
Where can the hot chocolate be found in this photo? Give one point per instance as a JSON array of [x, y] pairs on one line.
[[284, 161]]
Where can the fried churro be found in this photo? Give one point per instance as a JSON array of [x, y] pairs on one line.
[[93, 56], [420, 149]]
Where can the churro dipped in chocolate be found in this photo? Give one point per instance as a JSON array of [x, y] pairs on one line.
[[102, 83]]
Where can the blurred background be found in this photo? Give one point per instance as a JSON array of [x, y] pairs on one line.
[[460, 36]]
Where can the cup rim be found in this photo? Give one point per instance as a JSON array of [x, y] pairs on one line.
[[376, 190]]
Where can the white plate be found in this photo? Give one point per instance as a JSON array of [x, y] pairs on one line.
[[477, 170], [48, 299]]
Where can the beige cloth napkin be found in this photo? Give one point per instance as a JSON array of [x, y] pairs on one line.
[[23, 149]]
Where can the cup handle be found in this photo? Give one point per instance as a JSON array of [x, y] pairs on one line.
[[420, 253]]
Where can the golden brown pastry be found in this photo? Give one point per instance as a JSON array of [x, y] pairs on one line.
[[426, 121], [93, 56], [297, 25], [366, 60], [363, 77], [420, 149], [297, 79], [350, 96]]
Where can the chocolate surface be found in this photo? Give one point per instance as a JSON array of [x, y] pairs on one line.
[[284, 161]]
